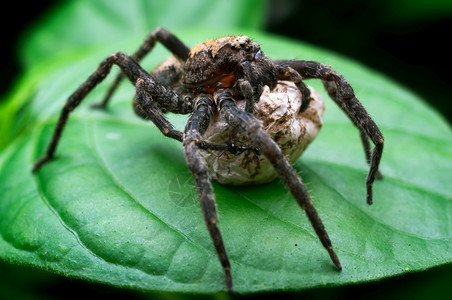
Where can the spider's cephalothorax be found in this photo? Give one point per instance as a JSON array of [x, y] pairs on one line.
[[208, 82], [222, 62]]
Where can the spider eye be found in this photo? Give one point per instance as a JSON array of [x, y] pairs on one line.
[[233, 46], [242, 45]]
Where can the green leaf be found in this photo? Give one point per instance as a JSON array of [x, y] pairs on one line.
[[117, 204]]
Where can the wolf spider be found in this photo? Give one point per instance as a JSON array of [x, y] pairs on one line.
[[209, 79]]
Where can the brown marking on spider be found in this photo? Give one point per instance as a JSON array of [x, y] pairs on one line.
[[208, 82]]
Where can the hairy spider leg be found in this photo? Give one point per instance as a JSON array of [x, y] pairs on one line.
[[367, 152], [151, 97], [342, 93], [169, 40], [128, 67], [247, 91], [243, 121], [146, 103], [284, 72], [195, 128]]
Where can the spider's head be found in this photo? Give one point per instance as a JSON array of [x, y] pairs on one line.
[[241, 48], [219, 63], [232, 51], [218, 49]]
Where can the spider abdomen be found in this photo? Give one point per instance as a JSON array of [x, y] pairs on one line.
[[279, 112]]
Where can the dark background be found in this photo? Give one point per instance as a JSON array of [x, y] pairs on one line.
[[412, 47], [410, 41]]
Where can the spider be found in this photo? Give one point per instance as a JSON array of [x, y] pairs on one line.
[[207, 81]]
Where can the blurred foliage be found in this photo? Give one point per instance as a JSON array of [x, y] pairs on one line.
[[77, 24], [416, 10]]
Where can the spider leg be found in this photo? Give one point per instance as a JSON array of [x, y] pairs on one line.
[[284, 72], [245, 122], [196, 126], [151, 96], [257, 73], [368, 153], [145, 88], [128, 66], [342, 93], [247, 91], [169, 40]]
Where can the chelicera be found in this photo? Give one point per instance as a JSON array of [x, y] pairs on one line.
[[208, 81]]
